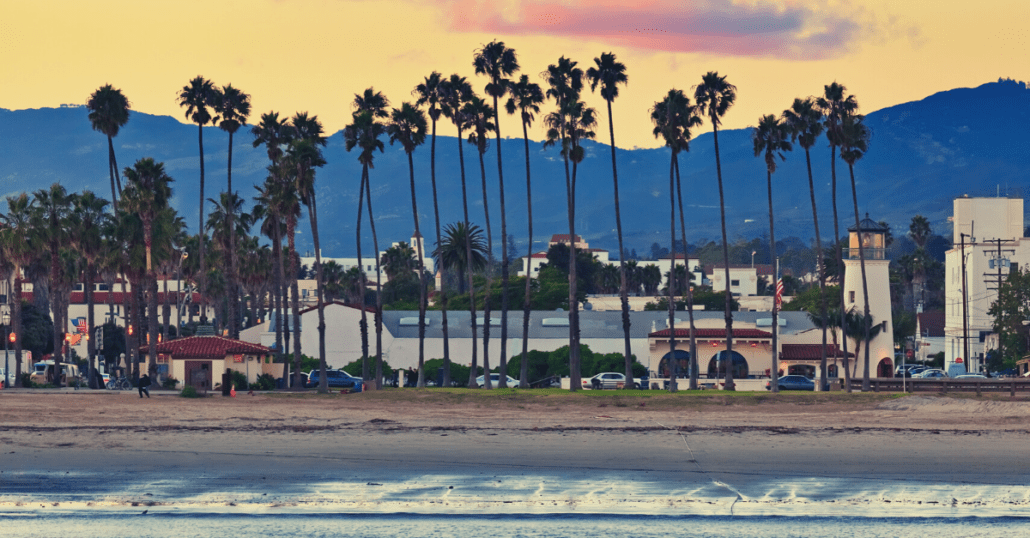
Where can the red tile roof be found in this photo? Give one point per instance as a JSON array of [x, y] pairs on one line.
[[564, 238], [714, 333], [208, 347], [932, 322], [810, 352]]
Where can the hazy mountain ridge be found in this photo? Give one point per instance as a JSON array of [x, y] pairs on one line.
[[922, 154]]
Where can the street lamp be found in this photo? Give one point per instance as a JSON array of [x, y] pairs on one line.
[[7, 367]]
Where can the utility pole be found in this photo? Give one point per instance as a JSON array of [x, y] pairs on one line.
[[998, 261], [965, 302]]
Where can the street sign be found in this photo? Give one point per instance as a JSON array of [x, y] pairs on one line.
[[99, 334]]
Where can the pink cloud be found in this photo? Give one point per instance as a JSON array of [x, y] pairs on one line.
[[816, 30]]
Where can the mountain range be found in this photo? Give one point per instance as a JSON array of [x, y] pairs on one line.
[[922, 154]]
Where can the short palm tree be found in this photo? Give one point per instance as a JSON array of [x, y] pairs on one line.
[[452, 251], [714, 96], [88, 219], [429, 95], [806, 124], [19, 248], [108, 113], [233, 108], [771, 138], [854, 143], [408, 126], [526, 98], [498, 62], [198, 96]]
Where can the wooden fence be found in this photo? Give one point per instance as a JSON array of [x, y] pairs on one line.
[[1010, 385]]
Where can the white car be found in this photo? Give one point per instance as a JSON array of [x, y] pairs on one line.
[[606, 380], [932, 373], [495, 379]]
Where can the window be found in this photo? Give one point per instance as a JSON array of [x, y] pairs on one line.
[[734, 282], [101, 287], [851, 296]]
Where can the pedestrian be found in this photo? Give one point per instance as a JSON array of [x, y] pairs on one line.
[[144, 384]]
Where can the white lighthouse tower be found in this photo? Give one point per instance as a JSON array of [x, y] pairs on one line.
[[881, 349]]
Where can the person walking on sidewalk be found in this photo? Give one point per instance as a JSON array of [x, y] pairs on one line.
[[144, 384]]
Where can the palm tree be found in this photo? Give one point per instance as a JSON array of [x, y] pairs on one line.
[[197, 96], [476, 113], [19, 247], [224, 228], [498, 61], [714, 96], [674, 117], [566, 81], [108, 113], [854, 143], [454, 93], [399, 261], [233, 108], [408, 126], [609, 73], [860, 328], [147, 194], [835, 106], [452, 251], [364, 133], [772, 137], [805, 122], [50, 223], [429, 93], [88, 219], [526, 98]]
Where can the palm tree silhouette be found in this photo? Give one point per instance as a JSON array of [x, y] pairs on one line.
[[50, 223], [498, 61], [197, 96], [714, 96], [233, 108], [453, 254], [526, 98], [772, 138], [108, 113], [805, 122], [408, 126]]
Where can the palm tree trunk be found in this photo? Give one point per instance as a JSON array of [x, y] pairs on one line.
[[473, 370], [294, 329], [19, 334], [113, 171], [725, 260], [774, 381], [152, 324], [623, 290], [524, 365], [442, 291], [379, 289], [363, 325], [671, 284], [489, 280], [822, 273], [55, 309], [503, 378], [840, 263], [166, 310], [421, 280], [234, 291], [91, 345], [575, 377], [279, 293], [867, 319], [323, 383], [200, 231], [689, 291]]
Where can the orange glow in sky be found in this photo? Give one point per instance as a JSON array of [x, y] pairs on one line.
[[314, 55]]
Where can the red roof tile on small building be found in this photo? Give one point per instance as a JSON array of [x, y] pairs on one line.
[[931, 323], [714, 333], [799, 352], [208, 347]]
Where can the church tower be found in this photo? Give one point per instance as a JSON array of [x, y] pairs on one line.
[[881, 349]]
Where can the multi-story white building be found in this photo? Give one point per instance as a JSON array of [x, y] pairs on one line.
[[368, 263]]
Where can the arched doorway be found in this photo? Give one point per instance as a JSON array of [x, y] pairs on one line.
[[717, 365], [681, 363], [885, 368], [831, 371]]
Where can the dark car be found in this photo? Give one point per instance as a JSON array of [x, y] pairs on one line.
[[794, 382], [335, 379]]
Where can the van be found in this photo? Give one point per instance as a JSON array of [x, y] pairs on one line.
[[43, 373]]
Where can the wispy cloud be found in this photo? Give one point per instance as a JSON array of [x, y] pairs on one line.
[[787, 29]]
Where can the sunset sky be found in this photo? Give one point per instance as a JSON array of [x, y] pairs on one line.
[[314, 55]]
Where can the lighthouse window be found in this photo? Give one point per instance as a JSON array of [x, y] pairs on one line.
[[851, 296]]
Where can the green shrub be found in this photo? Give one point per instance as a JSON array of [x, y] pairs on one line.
[[265, 382], [239, 380], [170, 383], [189, 392]]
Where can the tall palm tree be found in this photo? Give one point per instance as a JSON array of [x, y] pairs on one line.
[[429, 93], [526, 98], [477, 113], [854, 143], [408, 126], [715, 96], [806, 124], [88, 219], [498, 62], [772, 138], [454, 93], [609, 73], [674, 117], [197, 97], [364, 133], [233, 108], [19, 247], [565, 81], [147, 194], [835, 106], [108, 113], [50, 223]]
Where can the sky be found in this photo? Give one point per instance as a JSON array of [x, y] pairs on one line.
[[314, 55]]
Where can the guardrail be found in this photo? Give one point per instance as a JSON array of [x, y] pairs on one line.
[[1010, 385]]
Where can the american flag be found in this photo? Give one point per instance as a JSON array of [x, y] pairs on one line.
[[779, 295], [80, 325]]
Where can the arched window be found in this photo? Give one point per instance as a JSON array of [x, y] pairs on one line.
[[682, 364], [717, 365]]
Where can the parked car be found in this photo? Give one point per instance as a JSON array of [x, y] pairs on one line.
[[495, 379], [932, 373], [971, 376], [609, 380], [43, 373], [334, 378], [793, 382]]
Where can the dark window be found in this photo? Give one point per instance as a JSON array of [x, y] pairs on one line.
[[734, 283], [851, 298]]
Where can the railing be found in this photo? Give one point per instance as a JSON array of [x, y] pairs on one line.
[[869, 253], [1010, 385]]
